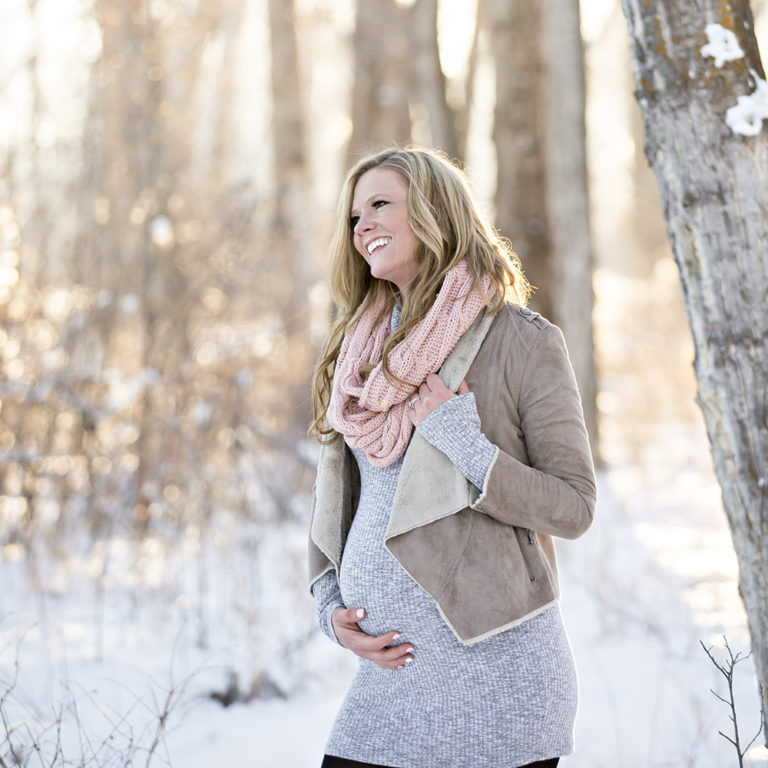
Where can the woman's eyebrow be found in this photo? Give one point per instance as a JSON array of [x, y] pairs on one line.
[[367, 200], [373, 197]]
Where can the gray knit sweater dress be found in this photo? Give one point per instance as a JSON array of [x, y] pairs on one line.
[[501, 703]]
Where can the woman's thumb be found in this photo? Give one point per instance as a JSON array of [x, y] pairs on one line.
[[463, 388]]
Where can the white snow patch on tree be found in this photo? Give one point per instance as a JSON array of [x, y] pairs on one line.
[[747, 115], [722, 46]]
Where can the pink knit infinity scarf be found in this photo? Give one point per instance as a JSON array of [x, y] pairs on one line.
[[371, 412]]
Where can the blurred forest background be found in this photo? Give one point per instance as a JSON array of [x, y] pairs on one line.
[[169, 172]]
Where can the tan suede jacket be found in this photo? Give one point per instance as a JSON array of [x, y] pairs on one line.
[[487, 558]]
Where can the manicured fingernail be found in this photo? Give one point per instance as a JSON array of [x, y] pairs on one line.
[[408, 650], [396, 636], [360, 613], [402, 666], [408, 660]]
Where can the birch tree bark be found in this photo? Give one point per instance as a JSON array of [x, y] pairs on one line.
[[699, 77]]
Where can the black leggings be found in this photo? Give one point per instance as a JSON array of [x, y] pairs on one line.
[[329, 761]]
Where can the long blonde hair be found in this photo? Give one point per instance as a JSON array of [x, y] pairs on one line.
[[449, 227]]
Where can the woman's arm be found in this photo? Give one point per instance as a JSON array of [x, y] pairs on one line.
[[556, 493], [327, 599]]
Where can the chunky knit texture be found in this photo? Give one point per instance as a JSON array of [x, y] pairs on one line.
[[371, 412]]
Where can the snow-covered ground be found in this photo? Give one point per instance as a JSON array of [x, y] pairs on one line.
[[653, 577]]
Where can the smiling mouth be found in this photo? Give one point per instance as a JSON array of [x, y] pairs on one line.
[[375, 244]]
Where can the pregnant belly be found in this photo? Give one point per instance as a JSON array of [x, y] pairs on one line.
[[372, 579]]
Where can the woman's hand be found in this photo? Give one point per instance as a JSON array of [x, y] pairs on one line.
[[430, 395], [374, 649]]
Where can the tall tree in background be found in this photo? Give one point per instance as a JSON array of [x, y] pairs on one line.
[[290, 164], [380, 113], [521, 212], [289, 225], [429, 80], [568, 195], [399, 83], [542, 202], [698, 75]]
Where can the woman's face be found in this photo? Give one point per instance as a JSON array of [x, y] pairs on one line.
[[379, 220]]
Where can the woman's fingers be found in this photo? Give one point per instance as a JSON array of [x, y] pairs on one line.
[[382, 652], [379, 649], [350, 615], [435, 384], [395, 658], [344, 621], [430, 395]]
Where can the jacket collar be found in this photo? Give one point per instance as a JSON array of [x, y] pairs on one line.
[[429, 486]]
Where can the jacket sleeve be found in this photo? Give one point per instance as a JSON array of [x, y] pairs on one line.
[[556, 492]]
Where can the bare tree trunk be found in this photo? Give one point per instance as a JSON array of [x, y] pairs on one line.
[[229, 23], [380, 114], [429, 78], [568, 194], [462, 118], [291, 180], [37, 229], [292, 209], [712, 170], [521, 195], [542, 200]]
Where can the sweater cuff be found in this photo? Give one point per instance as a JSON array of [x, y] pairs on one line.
[[454, 428], [327, 599]]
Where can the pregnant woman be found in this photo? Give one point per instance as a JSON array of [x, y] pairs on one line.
[[453, 451]]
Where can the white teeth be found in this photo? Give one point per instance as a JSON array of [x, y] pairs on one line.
[[374, 244]]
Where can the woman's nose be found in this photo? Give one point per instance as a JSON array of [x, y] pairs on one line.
[[364, 223]]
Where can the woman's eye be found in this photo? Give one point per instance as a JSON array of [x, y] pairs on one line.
[[376, 204]]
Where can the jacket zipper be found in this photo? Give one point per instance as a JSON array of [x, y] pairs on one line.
[[524, 550]]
